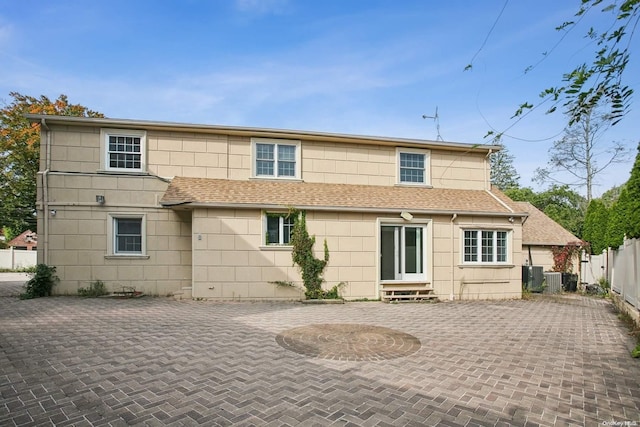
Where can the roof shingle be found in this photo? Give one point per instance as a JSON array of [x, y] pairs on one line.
[[271, 194], [539, 229]]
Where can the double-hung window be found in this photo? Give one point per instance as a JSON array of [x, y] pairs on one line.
[[278, 229], [123, 150], [127, 234], [402, 252], [413, 167], [485, 246], [276, 158]]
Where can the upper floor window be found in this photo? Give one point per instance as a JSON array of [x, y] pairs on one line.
[[124, 150], [279, 228], [485, 246], [413, 167], [276, 158]]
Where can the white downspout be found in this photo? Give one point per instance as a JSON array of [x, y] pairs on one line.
[[45, 192], [453, 257]]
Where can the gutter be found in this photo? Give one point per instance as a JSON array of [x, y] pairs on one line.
[[45, 190], [340, 209]]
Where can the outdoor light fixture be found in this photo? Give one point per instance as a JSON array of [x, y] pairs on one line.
[[511, 220], [406, 216], [53, 212], [100, 199]]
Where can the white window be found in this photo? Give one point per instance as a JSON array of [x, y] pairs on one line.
[[124, 150], [276, 158], [485, 246], [413, 167], [278, 228], [127, 235], [402, 252]]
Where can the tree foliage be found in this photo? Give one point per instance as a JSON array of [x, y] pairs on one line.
[[599, 81], [563, 205], [20, 152], [595, 226], [617, 218], [503, 173], [581, 153], [632, 226]]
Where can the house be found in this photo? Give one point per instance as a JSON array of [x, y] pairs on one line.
[[539, 234], [203, 210], [27, 240]]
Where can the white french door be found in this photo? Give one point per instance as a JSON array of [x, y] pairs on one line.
[[402, 252]]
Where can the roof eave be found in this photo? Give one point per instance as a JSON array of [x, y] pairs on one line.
[[259, 132], [267, 206]]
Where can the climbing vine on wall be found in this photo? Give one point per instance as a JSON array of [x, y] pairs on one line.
[[303, 256]]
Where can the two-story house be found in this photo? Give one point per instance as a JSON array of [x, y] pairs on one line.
[[200, 209]]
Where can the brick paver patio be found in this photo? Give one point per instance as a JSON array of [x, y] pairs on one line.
[[156, 361]]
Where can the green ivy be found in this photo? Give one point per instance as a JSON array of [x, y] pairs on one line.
[[302, 254]]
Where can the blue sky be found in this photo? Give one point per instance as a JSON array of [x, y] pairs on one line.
[[371, 67]]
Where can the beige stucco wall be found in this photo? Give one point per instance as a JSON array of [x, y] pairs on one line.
[[231, 262], [172, 154], [78, 234], [221, 252], [543, 256]]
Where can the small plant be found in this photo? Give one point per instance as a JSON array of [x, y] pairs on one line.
[[95, 289], [635, 353], [283, 284], [41, 283]]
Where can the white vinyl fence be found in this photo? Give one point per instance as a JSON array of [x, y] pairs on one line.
[[621, 267], [14, 259]]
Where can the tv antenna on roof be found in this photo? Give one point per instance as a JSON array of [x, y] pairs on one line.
[[436, 118]]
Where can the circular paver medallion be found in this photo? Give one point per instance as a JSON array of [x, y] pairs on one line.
[[345, 341]]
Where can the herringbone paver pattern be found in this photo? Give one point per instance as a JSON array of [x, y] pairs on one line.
[[154, 361]]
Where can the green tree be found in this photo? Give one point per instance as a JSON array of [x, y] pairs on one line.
[[596, 220], [563, 205], [632, 227], [617, 219], [20, 152], [503, 173], [610, 196]]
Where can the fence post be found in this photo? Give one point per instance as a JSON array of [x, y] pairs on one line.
[[13, 257]]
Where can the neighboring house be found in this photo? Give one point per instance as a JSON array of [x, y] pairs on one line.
[[27, 240], [201, 209], [539, 234]]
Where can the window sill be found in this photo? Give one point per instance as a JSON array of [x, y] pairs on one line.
[[275, 178], [123, 172], [485, 265], [127, 256], [275, 247], [407, 184]]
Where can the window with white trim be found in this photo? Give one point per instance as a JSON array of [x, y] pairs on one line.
[[124, 150], [485, 246], [276, 158], [127, 234], [402, 252], [413, 166], [279, 227]]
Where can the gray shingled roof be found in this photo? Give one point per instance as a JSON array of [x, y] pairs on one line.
[[265, 193], [539, 229]]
